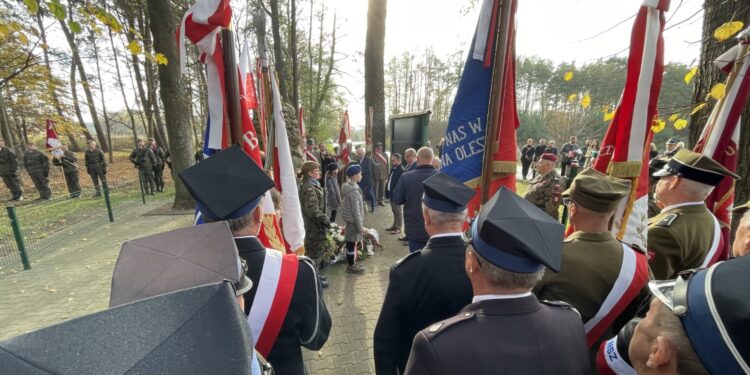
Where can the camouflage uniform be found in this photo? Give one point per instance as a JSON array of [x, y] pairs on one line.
[[159, 167], [313, 198], [8, 171], [144, 159], [70, 169], [37, 165], [544, 192], [96, 167]]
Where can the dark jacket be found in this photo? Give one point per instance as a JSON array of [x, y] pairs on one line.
[[143, 158], [67, 161], [36, 162], [95, 161], [538, 151], [158, 156], [508, 336], [367, 171], [8, 162], [409, 192], [307, 322], [424, 287], [527, 152], [393, 178]]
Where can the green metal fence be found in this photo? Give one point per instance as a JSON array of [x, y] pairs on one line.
[[42, 225]]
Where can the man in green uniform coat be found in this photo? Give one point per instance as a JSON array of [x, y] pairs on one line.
[[684, 234], [144, 160], [9, 171], [313, 198], [96, 166], [160, 157], [544, 189], [592, 258], [37, 165], [67, 160]]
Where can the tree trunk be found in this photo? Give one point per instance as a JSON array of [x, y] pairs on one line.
[[175, 108], [51, 84], [101, 92], [277, 52], [293, 53], [374, 75], [716, 13], [122, 87], [86, 87], [160, 132], [76, 103], [5, 125]]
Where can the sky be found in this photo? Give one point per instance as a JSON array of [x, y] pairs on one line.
[[559, 30]]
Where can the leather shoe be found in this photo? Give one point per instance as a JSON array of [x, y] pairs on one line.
[[403, 238], [323, 284]]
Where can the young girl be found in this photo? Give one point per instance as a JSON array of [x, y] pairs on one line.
[[333, 194], [353, 212]]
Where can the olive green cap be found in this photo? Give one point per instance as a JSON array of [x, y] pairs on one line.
[[696, 167], [741, 209], [597, 191]]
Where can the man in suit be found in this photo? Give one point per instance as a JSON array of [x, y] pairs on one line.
[[506, 329], [527, 157], [398, 213], [685, 234], [379, 172], [428, 285], [595, 265], [569, 151], [409, 192], [367, 184], [410, 155], [307, 322]]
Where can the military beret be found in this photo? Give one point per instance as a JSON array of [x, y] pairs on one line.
[[597, 191], [353, 170], [228, 185], [696, 167], [446, 194], [332, 167], [549, 156]]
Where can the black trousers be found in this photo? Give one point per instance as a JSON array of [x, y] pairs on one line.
[[42, 184], [74, 187], [97, 175], [12, 183], [159, 177], [563, 166], [525, 164]]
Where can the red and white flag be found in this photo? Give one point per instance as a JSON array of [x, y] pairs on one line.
[[721, 134], [301, 122], [52, 141], [624, 150], [284, 175], [344, 135], [246, 75]]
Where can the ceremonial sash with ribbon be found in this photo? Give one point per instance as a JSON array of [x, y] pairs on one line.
[[272, 299], [717, 243], [381, 158], [609, 361], [310, 157], [632, 278]]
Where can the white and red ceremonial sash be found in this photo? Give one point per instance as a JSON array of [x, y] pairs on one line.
[[381, 158], [609, 361], [632, 278], [309, 156], [624, 152], [716, 251], [344, 134], [721, 134], [272, 298]]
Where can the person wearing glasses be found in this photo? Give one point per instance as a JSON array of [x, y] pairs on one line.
[[741, 244], [506, 329], [685, 234], [596, 267], [696, 324]]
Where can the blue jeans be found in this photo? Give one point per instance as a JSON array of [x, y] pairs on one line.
[[416, 245]]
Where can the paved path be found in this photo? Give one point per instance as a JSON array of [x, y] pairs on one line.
[[75, 279]]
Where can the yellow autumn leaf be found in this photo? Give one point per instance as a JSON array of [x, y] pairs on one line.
[[608, 116], [134, 47], [680, 124], [568, 76], [718, 91], [697, 108], [572, 98], [658, 125], [690, 75], [586, 101], [674, 117], [727, 30], [161, 59], [23, 39]]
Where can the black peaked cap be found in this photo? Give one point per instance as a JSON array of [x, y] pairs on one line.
[[444, 193]]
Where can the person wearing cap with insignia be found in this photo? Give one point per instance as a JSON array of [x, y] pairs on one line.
[[430, 284], [654, 208], [229, 186], [353, 213], [506, 329], [309, 154], [408, 192], [672, 146], [596, 267], [685, 234], [544, 189], [313, 198], [697, 324], [380, 172], [741, 244]]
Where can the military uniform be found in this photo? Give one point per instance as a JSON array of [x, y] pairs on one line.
[[307, 322], [70, 169], [96, 167], [159, 157], [544, 192], [144, 159], [509, 336], [9, 172], [423, 288], [380, 174], [37, 165], [313, 198]]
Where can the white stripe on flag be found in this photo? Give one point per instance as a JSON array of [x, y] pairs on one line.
[[269, 281], [643, 93], [215, 105], [627, 272], [717, 121], [714, 243], [483, 30]]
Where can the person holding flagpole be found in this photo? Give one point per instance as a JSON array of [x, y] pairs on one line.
[[67, 161]]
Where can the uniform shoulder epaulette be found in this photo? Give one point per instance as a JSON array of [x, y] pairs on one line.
[[307, 260], [436, 328], [404, 259], [561, 304], [667, 220]]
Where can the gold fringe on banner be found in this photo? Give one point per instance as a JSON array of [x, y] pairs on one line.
[[628, 210], [473, 183], [504, 167], [270, 233], [625, 169]]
